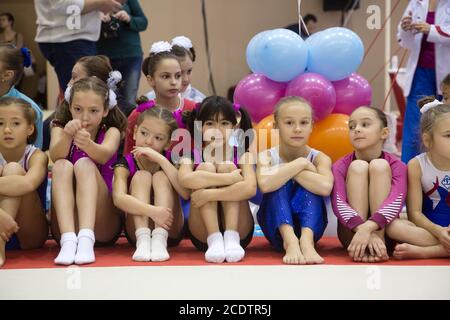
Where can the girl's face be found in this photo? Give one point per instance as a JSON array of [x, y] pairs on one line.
[[366, 130], [78, 72], [166, 80], [153, 133], [4, 23], [88, 107], [294, 122], [445, 93], [14, 127], [440, 139], [217, 130], [186, 71]]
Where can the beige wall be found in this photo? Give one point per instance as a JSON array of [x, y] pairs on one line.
[[232, 23]]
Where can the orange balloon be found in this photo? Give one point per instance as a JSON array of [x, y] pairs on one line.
[[331, 136], [267, 138]]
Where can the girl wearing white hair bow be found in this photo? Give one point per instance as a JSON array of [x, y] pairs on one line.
[[163, 72], [85, 138], [428, 199], [183, 49]]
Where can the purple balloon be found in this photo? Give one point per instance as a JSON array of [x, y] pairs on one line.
[[316, 89], [351, 93], [258, 95]]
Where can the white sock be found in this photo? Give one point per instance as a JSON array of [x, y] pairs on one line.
[[68, 243], [143, 245], [85, 250], [216, 249], [233, 250], [159, 245]]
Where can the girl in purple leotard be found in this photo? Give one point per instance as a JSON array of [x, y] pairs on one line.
[[84, 141]]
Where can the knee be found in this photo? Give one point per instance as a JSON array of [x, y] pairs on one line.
[[206, 166], [13, 168], [378, 167], [62, 166], [142, 176], [160, 179], [226, 167], [358, 167], [84, 166]]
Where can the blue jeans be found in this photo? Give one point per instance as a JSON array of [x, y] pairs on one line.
[[63, 56], [424, 84], [130, 68]]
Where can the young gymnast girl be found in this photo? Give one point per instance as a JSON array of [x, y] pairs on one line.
[[428, 233], [84, 143], [220, 172], [183, 49], [146, 186], [369, 189], [294, 178], [23, 177], [163, 73]]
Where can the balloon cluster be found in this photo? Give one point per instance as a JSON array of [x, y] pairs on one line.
[[321, 70]]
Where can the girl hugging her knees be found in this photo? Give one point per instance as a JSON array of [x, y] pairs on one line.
[[23, 177], [369, 189], [294, 178], [146, 187], [85, 138], [220, 173]]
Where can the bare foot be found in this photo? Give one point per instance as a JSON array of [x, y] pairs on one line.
[[2, 252], [408, 251], [293, 253], [310, 253]]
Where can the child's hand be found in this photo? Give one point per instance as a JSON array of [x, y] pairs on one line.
[[72, 127], [82, 139], [377, 247], [444, 237], [7, 226], [147, 152], [357, 247], [162, 216], [307, 165], [199, 198], [236, 176]]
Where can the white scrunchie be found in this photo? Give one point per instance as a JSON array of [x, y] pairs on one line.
[[114, 78], [112, 97], [182, 41], [160, 46], [430, 105]]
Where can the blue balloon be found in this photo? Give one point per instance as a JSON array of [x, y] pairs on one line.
[[281, 55], [335, 53], [252, 59]]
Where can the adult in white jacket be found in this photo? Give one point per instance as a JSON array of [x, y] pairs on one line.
[[425, 31]]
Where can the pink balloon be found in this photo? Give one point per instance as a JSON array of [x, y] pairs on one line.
[[258, 95], [317, 90], [351, 93]]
